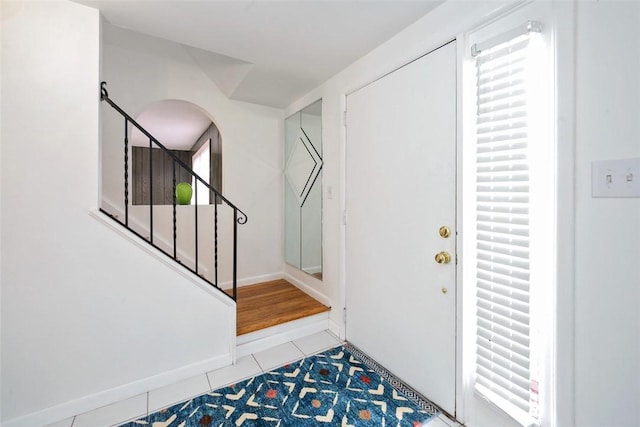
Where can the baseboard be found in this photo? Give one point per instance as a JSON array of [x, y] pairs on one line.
[[308, 289], [280, 334], [246, 281], [116, 394]]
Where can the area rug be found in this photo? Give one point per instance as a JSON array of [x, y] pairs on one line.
[[339, 387]]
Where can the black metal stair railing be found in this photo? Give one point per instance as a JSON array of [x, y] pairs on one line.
[[239, 217]]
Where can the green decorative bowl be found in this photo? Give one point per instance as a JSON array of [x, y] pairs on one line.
[[183, 193]]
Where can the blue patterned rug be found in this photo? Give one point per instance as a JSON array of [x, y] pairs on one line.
[[340, 387]]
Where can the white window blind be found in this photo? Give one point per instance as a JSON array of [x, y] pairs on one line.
[[504, 371]]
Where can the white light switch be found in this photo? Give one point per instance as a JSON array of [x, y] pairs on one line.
[[615, 178]]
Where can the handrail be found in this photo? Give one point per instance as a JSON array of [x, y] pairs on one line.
[[239, 217], [104, 96]]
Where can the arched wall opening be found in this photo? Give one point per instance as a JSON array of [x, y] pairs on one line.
[[191, 135]]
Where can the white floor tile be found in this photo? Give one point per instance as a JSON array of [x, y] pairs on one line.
[[116, 413], [244, 368], [437, 422], [178, 392], [278, 356], [447, 421], [63, 423], [316, 342]]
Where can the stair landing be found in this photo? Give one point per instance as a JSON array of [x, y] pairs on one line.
[[268, 304]]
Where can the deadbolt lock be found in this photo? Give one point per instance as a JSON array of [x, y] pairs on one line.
[[444, 232], [443, 257]]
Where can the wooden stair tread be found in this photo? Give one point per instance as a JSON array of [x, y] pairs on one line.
[[272, 303]]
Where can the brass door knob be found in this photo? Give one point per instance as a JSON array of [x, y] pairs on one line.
[[443, 257], [444, 232]]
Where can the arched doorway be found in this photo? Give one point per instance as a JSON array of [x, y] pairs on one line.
[[190, 134]]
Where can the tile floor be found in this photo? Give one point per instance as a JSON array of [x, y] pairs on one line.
[[246, 367]]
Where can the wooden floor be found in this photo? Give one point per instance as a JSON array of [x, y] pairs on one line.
[[272, 303]]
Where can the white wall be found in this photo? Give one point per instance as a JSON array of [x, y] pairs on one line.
[[141, 70], [606, 359], [87, 317], [607, 246]]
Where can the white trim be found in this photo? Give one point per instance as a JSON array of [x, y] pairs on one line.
[[460, 404], [253, 280], [267, 338], [308, 289], [466, 311], [116, 394], [341, 303], [562, 371]]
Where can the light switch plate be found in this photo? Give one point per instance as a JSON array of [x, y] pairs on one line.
[[615, 178]]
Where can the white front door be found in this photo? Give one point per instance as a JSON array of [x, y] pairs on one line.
[[400, 189]]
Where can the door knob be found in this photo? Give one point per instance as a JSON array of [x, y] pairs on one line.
[[444, 231], [443, 257]]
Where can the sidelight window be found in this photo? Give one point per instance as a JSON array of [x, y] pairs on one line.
[[513, 219]]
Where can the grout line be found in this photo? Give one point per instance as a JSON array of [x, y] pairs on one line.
[[299, 349], [338, 343], [258, 363], [236, 381], [280, 365], [206, 375], [337, 338]]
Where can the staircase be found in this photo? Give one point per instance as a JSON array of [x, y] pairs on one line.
[[189, 234], [192, 235]]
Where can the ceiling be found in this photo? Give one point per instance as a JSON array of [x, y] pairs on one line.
[[266, 51]]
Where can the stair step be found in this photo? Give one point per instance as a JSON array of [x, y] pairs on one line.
[[268, 304], [270, 337]]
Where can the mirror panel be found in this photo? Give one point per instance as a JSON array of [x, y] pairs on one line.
[[303, 190]]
